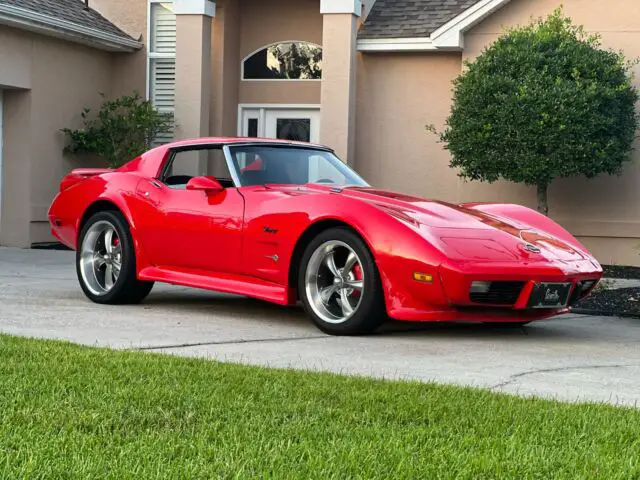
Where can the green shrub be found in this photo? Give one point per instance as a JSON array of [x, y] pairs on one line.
[[544, 101], [122, 129]]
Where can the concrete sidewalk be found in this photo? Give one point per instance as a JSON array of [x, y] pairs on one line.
[[571, 358]]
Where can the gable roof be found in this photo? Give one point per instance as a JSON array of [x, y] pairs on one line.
[[421, 25], [64, 18], [411, 18]]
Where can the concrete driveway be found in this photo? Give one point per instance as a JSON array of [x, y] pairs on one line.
[[571, 358]]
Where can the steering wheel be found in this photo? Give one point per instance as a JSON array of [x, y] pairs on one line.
[[325, 180]]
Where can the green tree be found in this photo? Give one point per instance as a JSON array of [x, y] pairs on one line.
[[544, 101], [122, 129]]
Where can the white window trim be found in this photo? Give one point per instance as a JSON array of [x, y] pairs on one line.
[[242, 79], [152, 55]]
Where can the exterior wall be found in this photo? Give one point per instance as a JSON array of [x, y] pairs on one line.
[[15, 58], [264, 23], [397, 96], [49, 82], [603, 212], [16, 166], [129, 69]]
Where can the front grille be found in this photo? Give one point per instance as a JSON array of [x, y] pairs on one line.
[[499, 293]]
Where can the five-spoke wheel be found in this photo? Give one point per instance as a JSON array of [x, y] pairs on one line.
[[100, 257], [334, 281], [106, 262], [339, 284]]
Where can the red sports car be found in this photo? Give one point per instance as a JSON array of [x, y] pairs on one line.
[[286, 221]]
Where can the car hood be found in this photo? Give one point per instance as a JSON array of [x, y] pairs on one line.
[[468, 234]]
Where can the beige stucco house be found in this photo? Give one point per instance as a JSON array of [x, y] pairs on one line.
[[364, 77]]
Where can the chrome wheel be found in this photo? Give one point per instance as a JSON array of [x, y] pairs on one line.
[[100, 258], [334, 282]]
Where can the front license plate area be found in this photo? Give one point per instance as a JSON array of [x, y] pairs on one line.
[[550, 295]]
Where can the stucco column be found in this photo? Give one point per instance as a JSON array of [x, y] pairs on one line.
[[340, 26], [193, 70]]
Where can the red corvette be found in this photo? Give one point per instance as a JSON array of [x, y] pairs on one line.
[[285, 221]]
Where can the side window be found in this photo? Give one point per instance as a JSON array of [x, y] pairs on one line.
[[187, 164]]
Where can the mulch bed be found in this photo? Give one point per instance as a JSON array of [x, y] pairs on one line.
[[624, 302], [620, 271]]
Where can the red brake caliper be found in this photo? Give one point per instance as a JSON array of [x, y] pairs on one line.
[[357, 273]]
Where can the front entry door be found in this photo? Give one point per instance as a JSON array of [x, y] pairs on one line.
[[300, 124]]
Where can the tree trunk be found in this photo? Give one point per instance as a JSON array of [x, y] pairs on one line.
[[543, 206]]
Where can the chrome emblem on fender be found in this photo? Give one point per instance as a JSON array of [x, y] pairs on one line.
[[531, 248]]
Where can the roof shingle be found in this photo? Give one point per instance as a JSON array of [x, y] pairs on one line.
[[411, 18], [73, 11]]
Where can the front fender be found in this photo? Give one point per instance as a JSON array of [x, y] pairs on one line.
[[399, 247]]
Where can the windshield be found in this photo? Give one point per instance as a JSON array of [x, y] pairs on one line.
[[286, 165]]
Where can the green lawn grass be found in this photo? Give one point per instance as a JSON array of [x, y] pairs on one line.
[[73, 412]]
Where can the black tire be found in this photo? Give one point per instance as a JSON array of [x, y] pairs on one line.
[[371, 311], [127, 289]]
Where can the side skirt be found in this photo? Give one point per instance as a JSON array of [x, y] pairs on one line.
[[221, 282]]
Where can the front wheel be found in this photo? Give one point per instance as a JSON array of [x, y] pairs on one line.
[[106, 261], [339, 284]]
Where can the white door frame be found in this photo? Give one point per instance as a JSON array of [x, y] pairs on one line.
[[262, 109]]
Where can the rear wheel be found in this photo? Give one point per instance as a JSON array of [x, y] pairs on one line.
[[339, 284], [106, 261]]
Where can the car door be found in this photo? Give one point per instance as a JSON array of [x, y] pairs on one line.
[[192, 229]]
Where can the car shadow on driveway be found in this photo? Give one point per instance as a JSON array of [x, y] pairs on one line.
[[566, 327]]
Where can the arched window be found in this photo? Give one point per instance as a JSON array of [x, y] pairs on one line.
[[284, 61]]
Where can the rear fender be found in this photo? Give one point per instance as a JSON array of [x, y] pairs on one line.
[[125, 203], [76, 204]]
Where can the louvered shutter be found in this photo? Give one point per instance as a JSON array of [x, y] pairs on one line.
[[163, 28], [163, 83], [162, 66]]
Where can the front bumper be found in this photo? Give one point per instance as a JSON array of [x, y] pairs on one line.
[[457, 279], [456, 303]]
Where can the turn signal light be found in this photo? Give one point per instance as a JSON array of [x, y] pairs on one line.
[[423, 277]]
